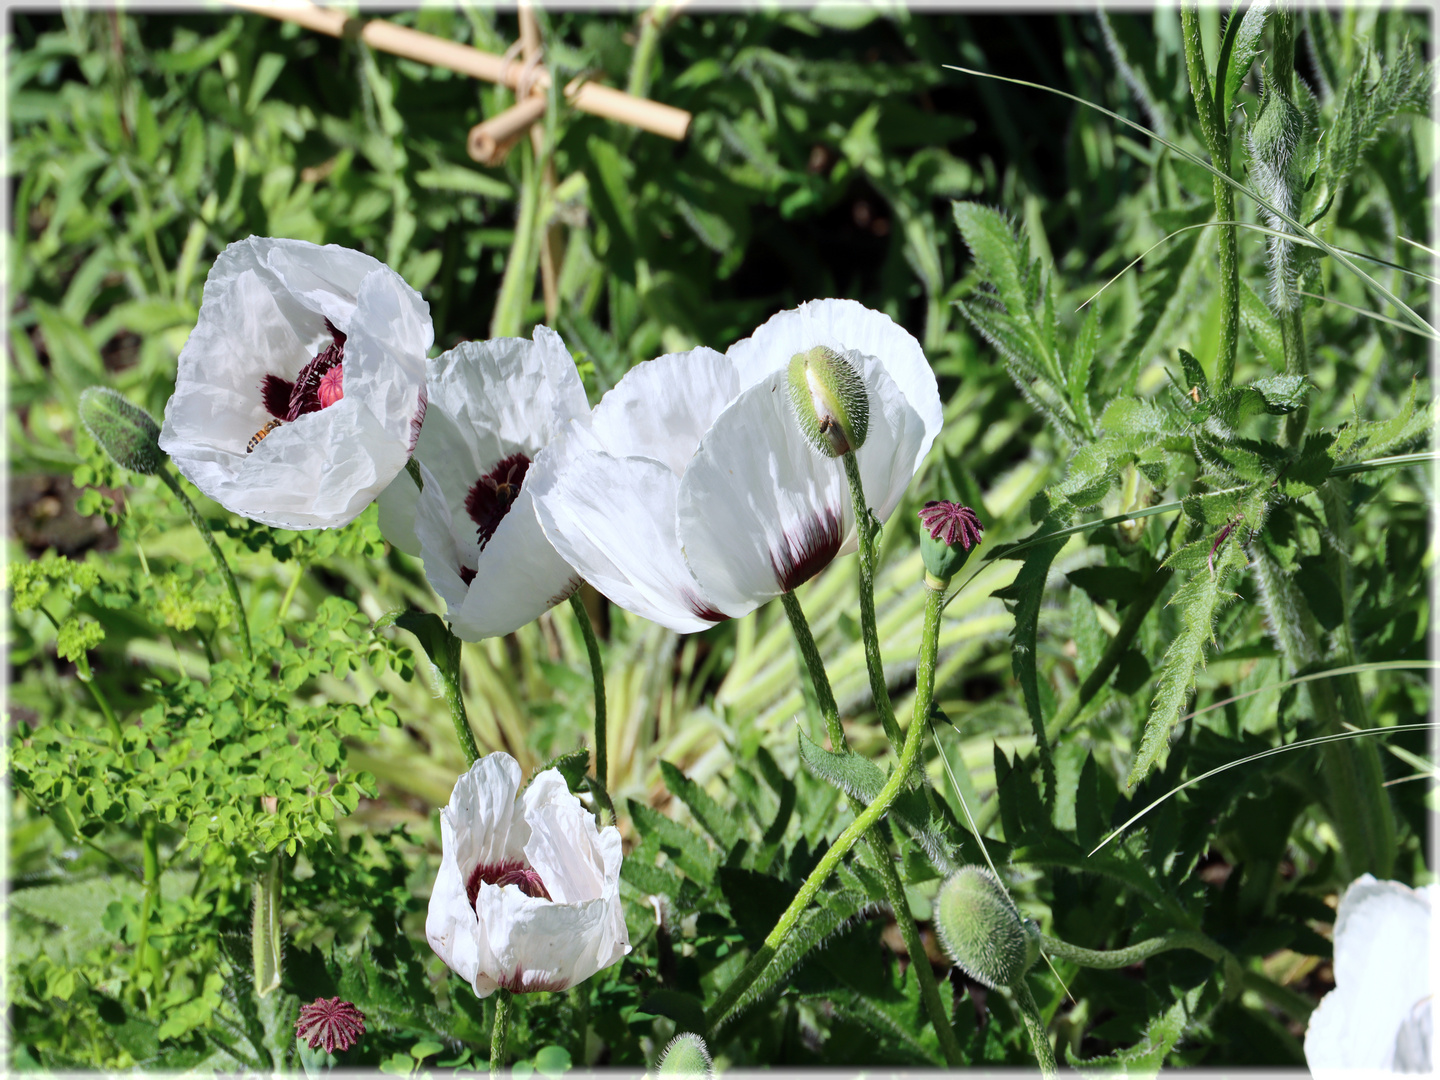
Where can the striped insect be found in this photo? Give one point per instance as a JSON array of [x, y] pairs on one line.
[[259, 436]]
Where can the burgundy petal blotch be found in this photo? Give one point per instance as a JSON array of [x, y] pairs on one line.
[[330, 1023]]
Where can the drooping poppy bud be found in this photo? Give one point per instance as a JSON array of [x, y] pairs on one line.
[[982, 930], [686, 1055], [949, 532], [125, 431], [830, 401]]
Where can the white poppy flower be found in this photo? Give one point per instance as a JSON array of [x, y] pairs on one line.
[[1381, 1014], [760, 509], [528, 894], [494, 407], [301, 390], [607, 492], [694, 496]]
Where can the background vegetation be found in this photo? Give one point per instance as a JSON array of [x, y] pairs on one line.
[[825, 156]]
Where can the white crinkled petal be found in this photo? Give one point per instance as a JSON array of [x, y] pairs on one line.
[[661, 408], [758, 506], [613, 519], [564, 842], [846, 326], [450, 924], [894, 447], [263, 313], [529, 944], [1382, 944], [397, 507], [518, 577], [435, 535], [487, 815]]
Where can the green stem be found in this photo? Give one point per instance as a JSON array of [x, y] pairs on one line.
[[1297, 362], [1215, 129], [597, 674], [643, 58], [500, 1033], [265, 928], [865, 525], [1114, 959], [1035, 1025], [449, 666], [195, 519], [150, 846], [290, 593], [518, 284], [818, 676], [894, 888], [914, 737]]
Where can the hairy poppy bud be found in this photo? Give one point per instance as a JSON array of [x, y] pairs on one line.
[[949, 532], [830, 401], [126, 432], [685, 1055], [982, 930]]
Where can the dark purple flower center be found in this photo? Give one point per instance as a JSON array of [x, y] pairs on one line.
[[951, 523], [493, 495], [510, 872], [287, 400], [807, 552]]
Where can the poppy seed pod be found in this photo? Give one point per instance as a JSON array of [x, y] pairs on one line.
[[948, 533], [830, 402], [982, 930], [126, 432], [685, 1055]]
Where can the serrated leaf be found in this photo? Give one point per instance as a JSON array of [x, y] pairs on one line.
[[1244, 47], [856, 776], [713, 818], [1198, 601], [997, 253], [689, 849]]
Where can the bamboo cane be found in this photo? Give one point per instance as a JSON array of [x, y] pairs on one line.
[[388, 37]]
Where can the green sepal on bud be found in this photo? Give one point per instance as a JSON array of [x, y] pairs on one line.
[[126, 432], [686, 1055], [830, 401], [982, 930], [948, 533]]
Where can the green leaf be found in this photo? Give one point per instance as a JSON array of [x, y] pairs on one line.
[[1023, 597], [446, 176], [1199, 601], [1105, 584], [1262, 327], [713, 818], [997, 253], [1244, 47], [856, 776], [688, 849]]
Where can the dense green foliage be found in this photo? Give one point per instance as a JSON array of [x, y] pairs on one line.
[[1207, 457]]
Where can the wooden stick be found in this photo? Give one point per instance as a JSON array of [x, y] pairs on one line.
[[492, 139], [588, 97]]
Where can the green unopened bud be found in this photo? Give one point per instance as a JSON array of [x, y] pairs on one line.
[[982, 930], [1276, 143], [685, 1056], [948, 533], [830, 401], [127, 432]]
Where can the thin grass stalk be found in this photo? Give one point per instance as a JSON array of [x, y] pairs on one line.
[[195, 519]]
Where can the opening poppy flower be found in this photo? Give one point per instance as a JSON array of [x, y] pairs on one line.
[[494, 408], [301, 390], [528, 893]]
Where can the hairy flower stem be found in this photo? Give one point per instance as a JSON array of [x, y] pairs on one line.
[[500, 1033], [894, 888], [265, 928], [195, 519], [1114, 959], [1297, 362], [865, 525], [449, 667], [914, 737], [597, 673], [1035, 1026], [1354, 797], [145, 954], [1215, 129]]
